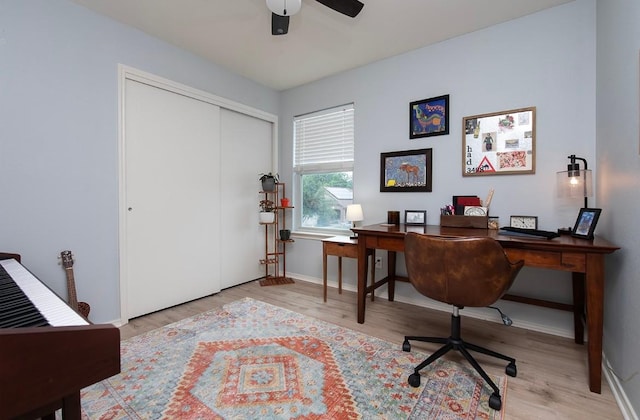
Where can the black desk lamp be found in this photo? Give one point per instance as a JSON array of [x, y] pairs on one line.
[[575, 182]]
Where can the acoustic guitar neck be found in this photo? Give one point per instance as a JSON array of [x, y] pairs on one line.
[[67, 263], [82, 308]]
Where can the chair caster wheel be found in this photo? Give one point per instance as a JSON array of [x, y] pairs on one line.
[[414, 380], [495, 402], [406, 346], [511, 369]]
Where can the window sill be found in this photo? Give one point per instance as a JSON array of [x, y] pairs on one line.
[[319, 236]]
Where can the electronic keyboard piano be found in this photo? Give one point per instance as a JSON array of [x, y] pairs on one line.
[[48, 352]]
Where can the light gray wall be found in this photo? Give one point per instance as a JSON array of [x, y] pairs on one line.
[[546, 60], [59, 133], [618, 143]]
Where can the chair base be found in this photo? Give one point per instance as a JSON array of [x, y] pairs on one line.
[[454, 342]]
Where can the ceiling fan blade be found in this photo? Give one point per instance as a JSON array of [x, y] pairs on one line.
[[350, 8], [279, 24]]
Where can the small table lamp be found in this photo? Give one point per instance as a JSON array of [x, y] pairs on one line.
[[354, 214], [575, 182]]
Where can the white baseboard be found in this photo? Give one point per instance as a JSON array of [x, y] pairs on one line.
[[618, 392]]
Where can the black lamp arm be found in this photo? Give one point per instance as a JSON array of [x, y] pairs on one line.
[[573, 161]]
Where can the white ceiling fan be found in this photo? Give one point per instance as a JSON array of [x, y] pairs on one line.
[[283, 9]]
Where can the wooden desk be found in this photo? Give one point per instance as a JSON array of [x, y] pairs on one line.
[[583, 258], [342, 246]]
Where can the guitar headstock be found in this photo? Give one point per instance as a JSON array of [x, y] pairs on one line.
[[67, 259]]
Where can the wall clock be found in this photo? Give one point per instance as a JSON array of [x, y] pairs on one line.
[[524, 222]]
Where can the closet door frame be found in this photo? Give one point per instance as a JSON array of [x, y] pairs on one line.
[[130, 73]]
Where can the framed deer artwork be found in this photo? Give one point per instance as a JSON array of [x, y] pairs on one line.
[[406, 171]]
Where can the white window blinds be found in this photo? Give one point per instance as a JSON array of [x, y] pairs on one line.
[[324, 140]]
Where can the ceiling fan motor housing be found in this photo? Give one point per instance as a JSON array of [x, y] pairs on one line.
[[281, 10], [284, 7]]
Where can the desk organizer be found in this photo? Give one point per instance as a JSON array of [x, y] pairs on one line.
[[477, 222]]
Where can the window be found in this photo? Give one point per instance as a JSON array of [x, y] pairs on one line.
[[323, 169]]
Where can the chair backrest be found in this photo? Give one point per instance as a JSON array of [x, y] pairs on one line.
[[460, 271]]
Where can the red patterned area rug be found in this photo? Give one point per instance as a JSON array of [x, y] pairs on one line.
[[252, 360]]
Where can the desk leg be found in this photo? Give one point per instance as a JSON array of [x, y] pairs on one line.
[[71, 407], [324, 273], [362, 278], [391, 275], [373, 274], [340, 275], [595, 302], [578, 307]]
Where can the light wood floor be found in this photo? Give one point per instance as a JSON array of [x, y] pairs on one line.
[[552, 371]]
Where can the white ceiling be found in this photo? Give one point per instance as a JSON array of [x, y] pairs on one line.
[[236, 34]]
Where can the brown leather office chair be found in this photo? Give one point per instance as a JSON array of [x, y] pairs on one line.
[[462, 272]]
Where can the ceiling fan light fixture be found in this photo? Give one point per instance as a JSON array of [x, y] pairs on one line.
[[284, 7]]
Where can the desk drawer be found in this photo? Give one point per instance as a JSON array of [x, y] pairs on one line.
[[565, 261], [391, 244], [341, 250]]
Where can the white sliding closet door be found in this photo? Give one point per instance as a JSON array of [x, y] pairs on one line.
[[172, 198], [247, 149]]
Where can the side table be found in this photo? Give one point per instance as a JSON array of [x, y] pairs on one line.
[[343, 246]]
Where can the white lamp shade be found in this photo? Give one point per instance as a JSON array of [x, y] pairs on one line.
[[354, 213], [284, 7], [574, 184]]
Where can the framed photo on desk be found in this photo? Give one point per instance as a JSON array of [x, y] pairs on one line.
[[586, 223], [415, 217]]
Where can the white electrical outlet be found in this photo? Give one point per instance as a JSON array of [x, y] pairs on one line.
[[378, 262]]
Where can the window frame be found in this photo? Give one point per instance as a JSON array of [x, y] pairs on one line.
[[340, 159]]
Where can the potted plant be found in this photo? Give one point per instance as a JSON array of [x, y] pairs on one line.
[[269, 181], [267, 214]]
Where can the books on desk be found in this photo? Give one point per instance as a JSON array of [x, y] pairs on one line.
[[529, 233]]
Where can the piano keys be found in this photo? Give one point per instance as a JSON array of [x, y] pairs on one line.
[[48, 304], [43, 369], [16, 310]]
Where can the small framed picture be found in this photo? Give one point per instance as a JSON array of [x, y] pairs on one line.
[[415, 217], [429, 117], [586, 223]]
